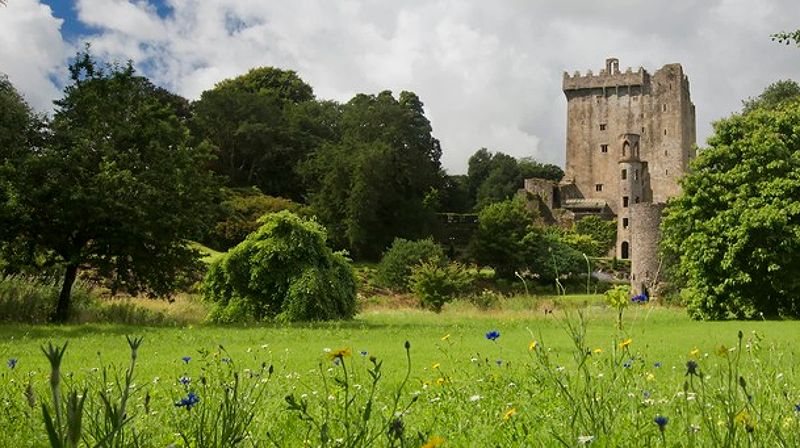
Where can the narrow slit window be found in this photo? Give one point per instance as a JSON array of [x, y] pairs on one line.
[[604, 148], [624, 223], [598, 187], [624, 201], [624, 174]]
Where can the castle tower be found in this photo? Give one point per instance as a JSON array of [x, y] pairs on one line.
[[654, 110], [645, 236], [631, 189]]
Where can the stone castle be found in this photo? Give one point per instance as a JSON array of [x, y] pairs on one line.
[[630, 138]]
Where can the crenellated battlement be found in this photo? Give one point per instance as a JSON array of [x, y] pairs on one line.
[[610, 76]]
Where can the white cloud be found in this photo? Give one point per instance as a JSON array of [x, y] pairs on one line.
[[489, 73], [32, 51]]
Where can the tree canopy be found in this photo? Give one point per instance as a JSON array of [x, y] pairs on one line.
[[773, 96], [114, 186], [735, 230]]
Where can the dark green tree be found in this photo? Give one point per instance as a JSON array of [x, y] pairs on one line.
[[602, 231], [498, 240], [262, 125], [735, 230], [377, 182], [115, 186]]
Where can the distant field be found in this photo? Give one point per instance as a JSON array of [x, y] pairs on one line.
[[467, 385]]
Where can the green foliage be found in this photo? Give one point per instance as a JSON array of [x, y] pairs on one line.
[[498, 241], [240, 212], [33, 300], [618, 298], [436, 284], [115, 186], [787, 37], [283, 270], [582, 243], [773, 96], [374, 184], [497, 177], [735, 230], [262, 125], [395, 267], [550, 257], [602, 231]]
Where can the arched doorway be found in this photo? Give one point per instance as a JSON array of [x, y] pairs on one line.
[[625, 250]]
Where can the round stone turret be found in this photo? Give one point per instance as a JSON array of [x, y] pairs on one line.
[[645, 234], [631, 181]]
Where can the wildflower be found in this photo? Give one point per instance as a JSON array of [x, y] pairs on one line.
[[691, 368], [433, 442], [188, 402], [12, 362], [185, 380], [338, 354], [657, 365], [336, 361], [509, 413], [435, 366], [646, 394], [478, 397], [499, 362], [363, 353], [446, 337], [650, 376], [797, 408], [493, 335], [722, 350], [532, 345], [440, 381], [625, 343], [585, 440], [598, 350], [627, 364], [694, 352], [226, 360], [396, 429], [661, 421], [641, 298], [186, 359]]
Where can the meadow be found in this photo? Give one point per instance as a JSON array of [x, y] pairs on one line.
[[516, 376]]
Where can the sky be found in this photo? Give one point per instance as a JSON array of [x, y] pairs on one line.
[[489, 72]]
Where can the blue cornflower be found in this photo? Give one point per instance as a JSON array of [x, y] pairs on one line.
[[499, 362], [186, 359], [185, 380], [493, 335], [661, 421], [12, 362], [640, 298], [627, 364], [691, 368], [363, 353], [336, 361], [657, 364], [797, 407], [646, 394], [188, 402], [226, 360]]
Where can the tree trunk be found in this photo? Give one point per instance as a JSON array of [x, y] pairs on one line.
[[62, 308]]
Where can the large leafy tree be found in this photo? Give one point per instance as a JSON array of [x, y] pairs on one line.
[[735, 230], [262, 125], [116, 186], [773, 96], [375, 183]]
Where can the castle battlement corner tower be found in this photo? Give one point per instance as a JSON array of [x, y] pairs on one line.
[[630, 137]]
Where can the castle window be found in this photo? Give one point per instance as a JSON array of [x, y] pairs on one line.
[[624, 250], [625, 149], [636, 175], [665, 152], [598, 187], [636, 200], [642, 129], [603, 148], [624, 174], [665, 132], [624, 223], [602, 127], [624, 201], [665, 108]]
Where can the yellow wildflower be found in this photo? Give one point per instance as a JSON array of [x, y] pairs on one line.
[[650, 377], [446, 337], [532, 345], [625, 343], [598, 350], [435, 366], [694, 352], [341, 353], [433, 442], [509, 413], [440, 381], [722, 350]]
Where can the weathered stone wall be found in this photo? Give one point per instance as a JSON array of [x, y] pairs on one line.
[[602, 108], [645, 236]]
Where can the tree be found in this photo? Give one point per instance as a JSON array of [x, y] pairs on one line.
[[773, 96], [530, 168], [395, 267], [735, 230], [498, 240], [376, 183], [787, 37], [604, 232], [115, 186], [284, 270], [262, 125]]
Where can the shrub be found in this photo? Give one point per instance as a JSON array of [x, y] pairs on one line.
[[602, 231], [283, 270], [486, 299], [498, 240], [394, 269], [437, 284], [31, 300]]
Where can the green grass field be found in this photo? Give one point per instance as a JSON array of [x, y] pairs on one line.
[[469, 391]]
